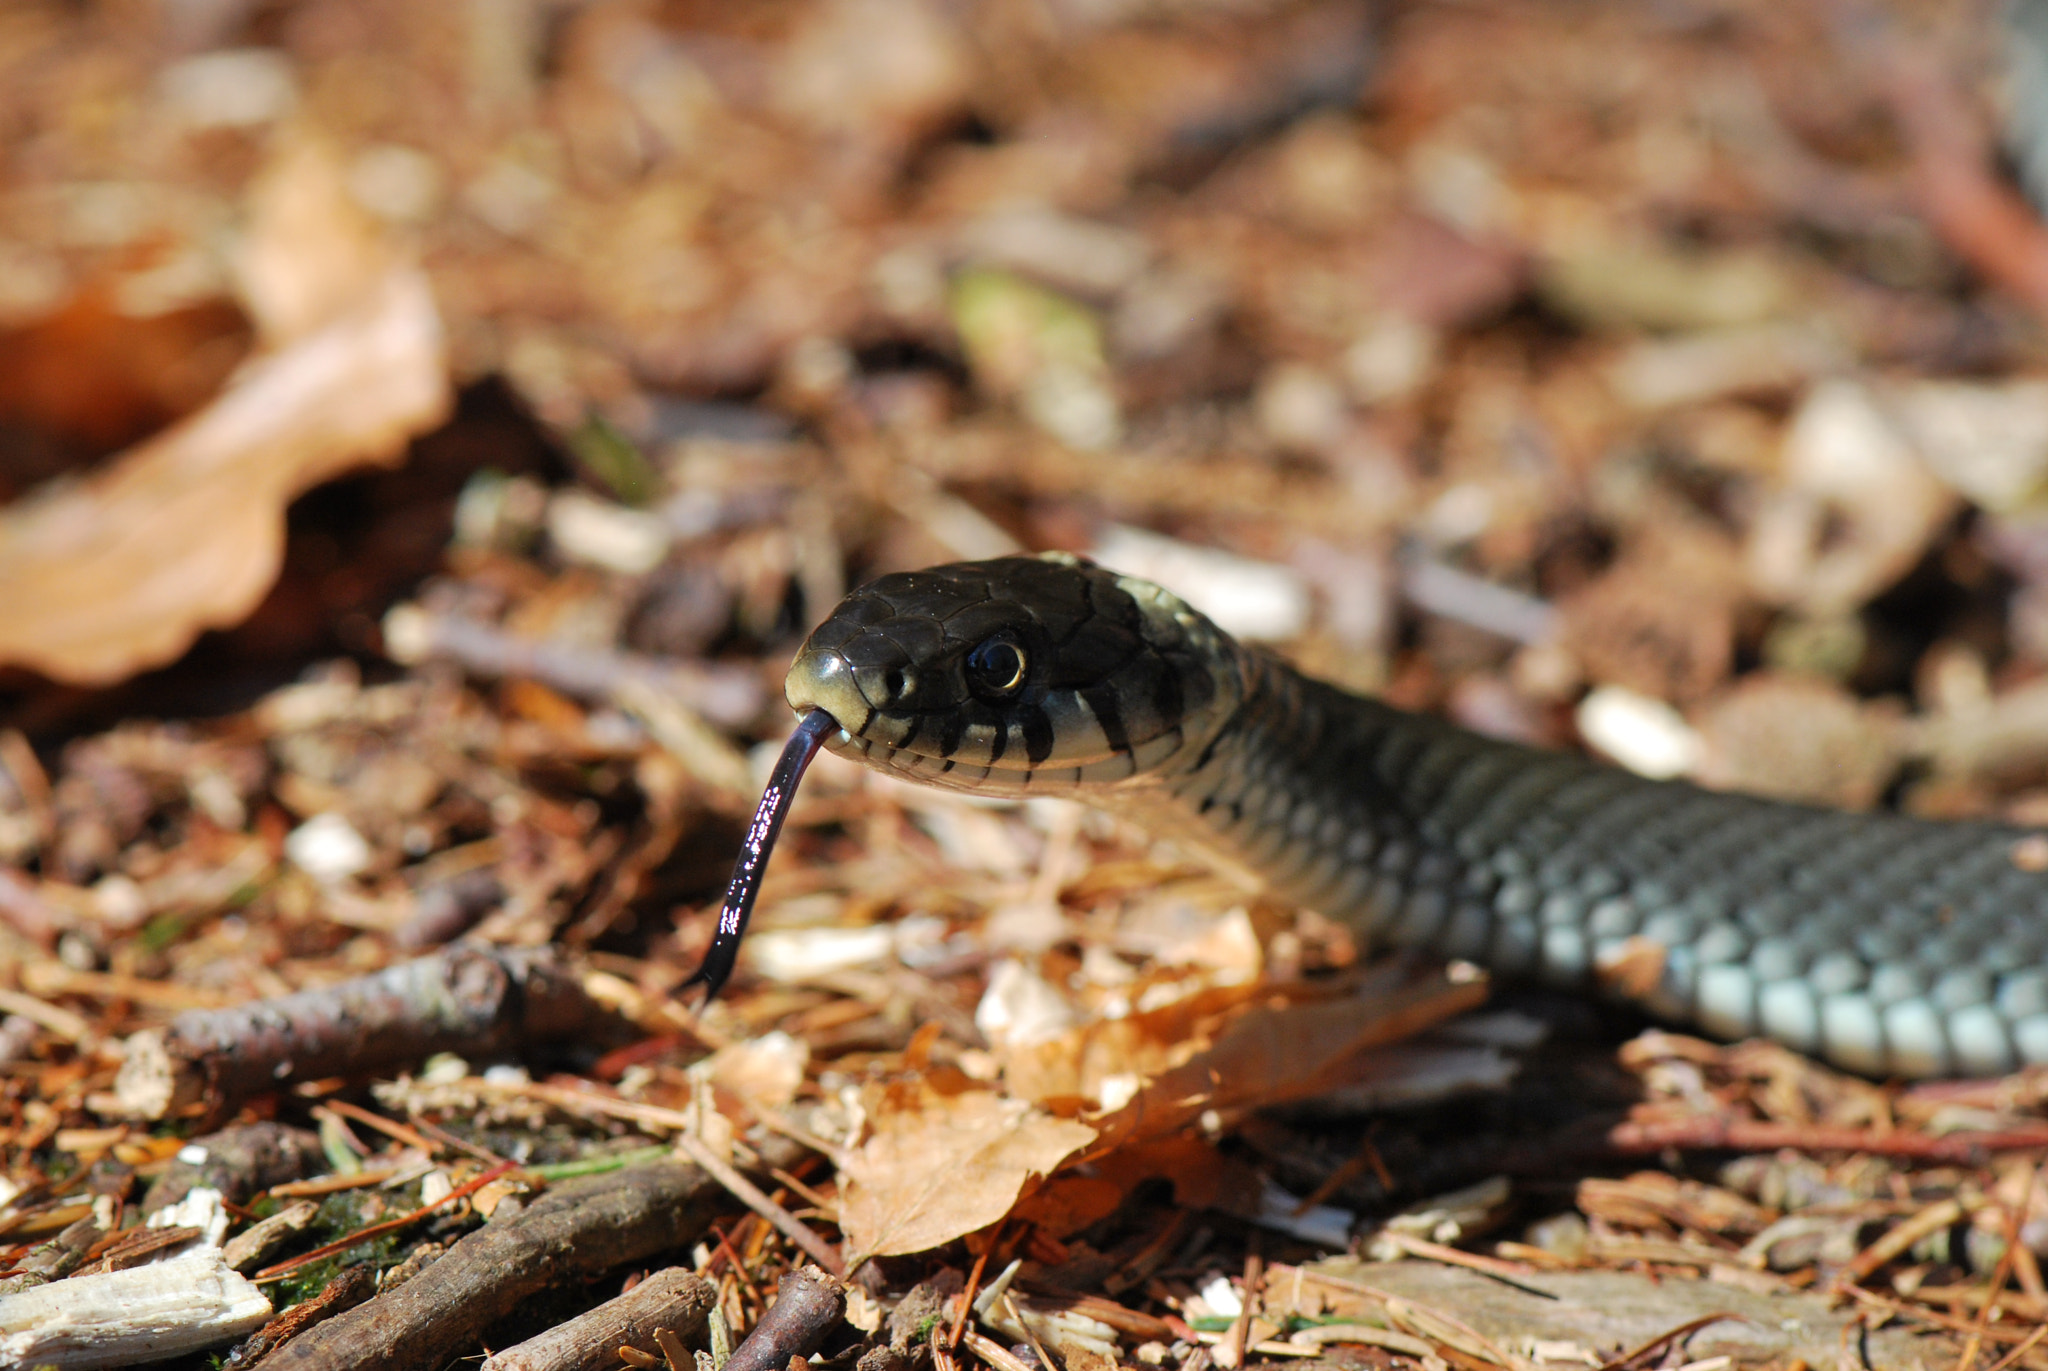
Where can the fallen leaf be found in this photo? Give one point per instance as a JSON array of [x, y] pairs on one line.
[[938, 1166], [766, 1071], [1102, 1063], [185, 531], [1266, 1056]]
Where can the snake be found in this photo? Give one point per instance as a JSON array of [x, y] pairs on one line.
[[1883, 943]]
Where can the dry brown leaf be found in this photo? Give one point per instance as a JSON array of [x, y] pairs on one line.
[[938, 1166], [1267, 1056], [1101, 1062], [185, 531], [310, 250]]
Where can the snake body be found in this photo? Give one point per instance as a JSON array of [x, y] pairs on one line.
[[1885, 944]]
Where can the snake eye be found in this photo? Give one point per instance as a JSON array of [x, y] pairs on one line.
[[995, 669]]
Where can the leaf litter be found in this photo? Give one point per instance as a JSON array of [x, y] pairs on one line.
[[1508, 363]]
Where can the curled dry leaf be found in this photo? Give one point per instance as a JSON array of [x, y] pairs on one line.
[[1273, 1056], [937, 1166], [185, 532], [1229, 1049]]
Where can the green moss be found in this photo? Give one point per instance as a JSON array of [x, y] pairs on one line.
[[161, 931]]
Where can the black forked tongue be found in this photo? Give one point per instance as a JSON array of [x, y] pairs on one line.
[[753, 860]]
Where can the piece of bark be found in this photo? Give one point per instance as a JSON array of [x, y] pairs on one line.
[[725, 695], [254, 1246], [445, 911], [469, 999], [1611, 1311], [573, 1233], [675, 1299], [55, 1259], [135, 1246], [348, 1289], [124, 1318], [882, 1358], [926, 1302], [808, 1306], [237, 1162], [420, 1258]]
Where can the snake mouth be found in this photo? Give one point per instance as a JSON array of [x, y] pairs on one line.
[[1049, 745]]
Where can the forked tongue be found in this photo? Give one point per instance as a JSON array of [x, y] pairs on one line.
[[760, 841]]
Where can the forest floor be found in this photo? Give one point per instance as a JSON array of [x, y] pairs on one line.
[[427, 431]]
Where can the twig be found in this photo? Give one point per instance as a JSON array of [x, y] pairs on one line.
[[72, 1028], [1967, 1361], [1496, 1267], [807, 1305], [469, 999], [749, 1194], [2033, 1341], [1030, 1336], [1756, 1135], [674, 1301], [447, 1139], [1666, 1339], [1898, 1309], [348, 1289], [604, 1105], [973, 1285], [727, 696], [1230, 1352], [390, 1128], [994, 1353], [1932, 1219], [571, 1234], [239, 1162], [271, 1273]]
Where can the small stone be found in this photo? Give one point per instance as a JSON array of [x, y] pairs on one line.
[[1300, 407], [1645, 735], [1392, 358], [328, 848], [601, 534]]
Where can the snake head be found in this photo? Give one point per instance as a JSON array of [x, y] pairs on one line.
[[1016, 676]]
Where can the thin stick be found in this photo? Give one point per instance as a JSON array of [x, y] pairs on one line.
[[753, 859], [1967, 1361], [390, 1128], [271, 1273], [2009, 1358], [1666, 1339], [973, 1285], [443, 1136], [747, 1193]]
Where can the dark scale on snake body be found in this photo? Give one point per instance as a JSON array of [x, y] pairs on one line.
[[1884, 944]]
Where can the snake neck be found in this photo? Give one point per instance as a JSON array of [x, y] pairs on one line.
[[1315, 794]]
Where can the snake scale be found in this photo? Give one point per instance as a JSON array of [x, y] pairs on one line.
[[1885, 944]]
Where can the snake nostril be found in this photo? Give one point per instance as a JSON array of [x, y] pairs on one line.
[[898, 682]]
